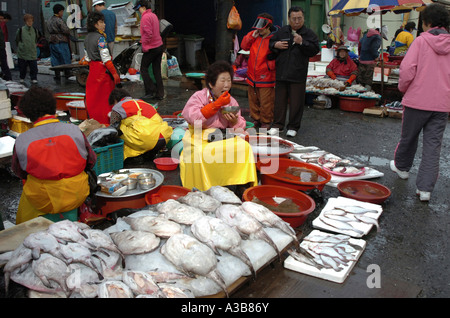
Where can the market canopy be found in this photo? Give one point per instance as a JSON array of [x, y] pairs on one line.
[[356, 7]]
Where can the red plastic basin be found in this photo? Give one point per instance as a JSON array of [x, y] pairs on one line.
[[166, 163], [266, 193], [366, 191], [164, 193], [279, 176], [355, 104]]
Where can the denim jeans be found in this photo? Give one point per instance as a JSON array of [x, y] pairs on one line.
[[60, 53]]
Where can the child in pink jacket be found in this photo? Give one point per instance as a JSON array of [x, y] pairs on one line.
[[425, 82]]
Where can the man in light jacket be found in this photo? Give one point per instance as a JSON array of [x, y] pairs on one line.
[[152, 47], [425, 82]]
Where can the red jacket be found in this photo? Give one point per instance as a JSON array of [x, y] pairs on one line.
[[260, 70], [346, 68]]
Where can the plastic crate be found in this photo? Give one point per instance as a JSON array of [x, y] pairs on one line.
[[109, 158]]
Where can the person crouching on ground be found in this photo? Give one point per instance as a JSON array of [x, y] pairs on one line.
[[144, 132], [342, 67], [204, 162], [51, 158]]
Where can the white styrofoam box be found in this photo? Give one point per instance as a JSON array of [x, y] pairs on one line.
[[326, 55], [124, 30], [6, 146], [135, 31], [358, 225], [326, 273], [321, 66], [5, 109], [122, 10]]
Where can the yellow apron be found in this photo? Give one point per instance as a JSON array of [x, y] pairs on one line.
[[140, 133], [41, 197], [225, 162]]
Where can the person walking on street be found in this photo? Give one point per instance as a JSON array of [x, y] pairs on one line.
[[152, 47], [260, 71], [59, 38], [103, 76], [110, 23], [425, 82], [293, 44], [4, 17], [26, 41]]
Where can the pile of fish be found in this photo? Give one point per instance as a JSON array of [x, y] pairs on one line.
[[330, 251], [334, 163], [341, 218], [194, 246]]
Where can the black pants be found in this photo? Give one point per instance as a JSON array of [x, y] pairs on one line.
[[153, 57], [292, 94], [4, 64], [24, 64]]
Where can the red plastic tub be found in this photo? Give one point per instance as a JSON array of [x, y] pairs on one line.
[[355, 104], [77, 110], [366, 191], [166, 163], [278, 176], [63, 98], [265, 193], [164, 193]]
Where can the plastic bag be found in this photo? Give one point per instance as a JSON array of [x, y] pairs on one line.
[[234, 20], [173, 68]]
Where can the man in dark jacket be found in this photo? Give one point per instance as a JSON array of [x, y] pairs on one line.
[[293, 45], [368, 47]]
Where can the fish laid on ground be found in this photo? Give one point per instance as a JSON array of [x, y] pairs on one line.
[[77, 253], [179, 212], [269, 219], [224, 195], [51, 269], [368, 220], [114, 289], [67, 231], [135, 242], [20, 259], [246, 225], [344, 226], [157, 225], [200, 200], [193, 258], [217, 234], [100, 240], [141, 283], [355, 209]]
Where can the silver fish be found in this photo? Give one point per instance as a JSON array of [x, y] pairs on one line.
[[179, 212], [200, 200], [218, 235], [269, 219], [340, 225], [135, 242], [355, 209], [157, 225], [247, 225], [224, 195], [368, 220], [303, 257], [193, 258]]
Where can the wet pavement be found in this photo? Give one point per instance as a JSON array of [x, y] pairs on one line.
[[412, 246]]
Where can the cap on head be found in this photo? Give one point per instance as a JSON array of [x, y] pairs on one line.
[[98, 2]]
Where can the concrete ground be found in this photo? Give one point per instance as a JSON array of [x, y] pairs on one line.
[[412, 246]]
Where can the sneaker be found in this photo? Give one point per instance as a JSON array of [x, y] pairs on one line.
[[34, 82], [273, 131], [291, 133], [423, 196], [401, 174]]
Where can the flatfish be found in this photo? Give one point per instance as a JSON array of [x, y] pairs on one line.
[[114, 289], [141, 283], [246, 225], [179, 212], [51, 269], [42, 242], [224, 195], [157, 225], [192, 257], [217, 234], [200, 200], [135, 242]]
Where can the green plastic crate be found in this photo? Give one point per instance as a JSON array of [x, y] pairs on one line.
[[109, 158]]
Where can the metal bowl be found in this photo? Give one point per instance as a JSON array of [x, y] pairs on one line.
[[146, 181], [229, 109], [131, 184]]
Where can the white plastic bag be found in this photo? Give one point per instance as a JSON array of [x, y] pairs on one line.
[[173, 67]]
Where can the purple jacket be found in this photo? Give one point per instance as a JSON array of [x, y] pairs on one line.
[[150, 36], [425, 72]]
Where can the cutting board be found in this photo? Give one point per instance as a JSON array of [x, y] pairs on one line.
[[11, 238]]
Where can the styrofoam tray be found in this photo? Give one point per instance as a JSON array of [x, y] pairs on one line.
[[364, 227], [325, 273]]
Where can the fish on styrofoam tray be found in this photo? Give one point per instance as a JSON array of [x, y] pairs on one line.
[[360, 223], [341, 262]]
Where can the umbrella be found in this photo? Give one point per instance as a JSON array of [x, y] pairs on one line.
[[356, 7]]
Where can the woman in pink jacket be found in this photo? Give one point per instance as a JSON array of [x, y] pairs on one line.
[[208, 159], [425, 82]]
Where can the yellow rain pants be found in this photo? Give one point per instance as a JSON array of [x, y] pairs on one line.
[[41, 197], [225, 162]]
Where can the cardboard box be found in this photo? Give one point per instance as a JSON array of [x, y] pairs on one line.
[[5, 109], [376, 111], [395, 113]]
